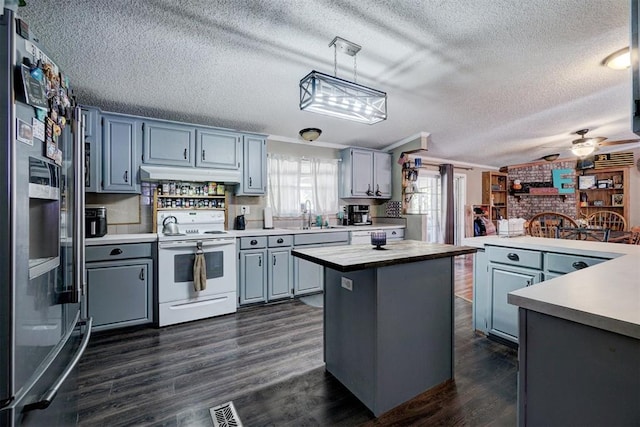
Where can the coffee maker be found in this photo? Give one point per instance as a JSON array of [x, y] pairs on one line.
[[358, 215]]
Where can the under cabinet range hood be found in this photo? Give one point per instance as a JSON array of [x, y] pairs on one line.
[[166, 173]]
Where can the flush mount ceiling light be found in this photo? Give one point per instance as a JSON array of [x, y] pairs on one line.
[[551, 157], [618, 60], [310, 134], [335, 97], [582, 146]]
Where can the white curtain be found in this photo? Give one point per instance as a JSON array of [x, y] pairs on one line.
[[324, 178], [284, 185]]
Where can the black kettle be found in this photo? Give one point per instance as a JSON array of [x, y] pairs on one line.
[[240, 223]]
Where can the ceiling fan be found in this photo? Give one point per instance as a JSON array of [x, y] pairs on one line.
[[586, 145]]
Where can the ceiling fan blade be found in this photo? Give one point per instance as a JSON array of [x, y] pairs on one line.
[[619, 142]]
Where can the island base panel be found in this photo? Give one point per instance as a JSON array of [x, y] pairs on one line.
[[390, 337], [574, 374]]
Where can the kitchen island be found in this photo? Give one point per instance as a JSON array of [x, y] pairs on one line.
[[579, 333], [388, 318]]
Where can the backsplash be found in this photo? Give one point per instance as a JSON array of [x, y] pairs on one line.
[[527, 206]]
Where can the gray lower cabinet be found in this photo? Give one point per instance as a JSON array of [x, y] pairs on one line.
[[119, 285], [265, 274], [505, 279], [253, 276], [167, 143], [121, 141], [308, 277]]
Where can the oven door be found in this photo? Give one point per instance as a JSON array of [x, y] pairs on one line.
[[175, 271]]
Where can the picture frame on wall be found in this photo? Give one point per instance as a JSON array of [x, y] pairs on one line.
[[617, 200]]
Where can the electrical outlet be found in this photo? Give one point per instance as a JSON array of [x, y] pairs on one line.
[[245, 210], [347, 283]]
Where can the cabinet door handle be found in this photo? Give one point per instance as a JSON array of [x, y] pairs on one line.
[[529, 282], [369, 192], [513, 257], [141, 274], [254, 242], [378, 192], [274, 260], [203, 155], [126, 176], [394, 233], [185, 154], [579, 265], [250, 182], [260, 261], [116, 251], [280, 240]]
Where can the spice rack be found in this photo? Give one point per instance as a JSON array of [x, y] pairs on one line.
[[164, 202]]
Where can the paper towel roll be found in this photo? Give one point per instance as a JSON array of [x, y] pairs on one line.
[[268, 218]]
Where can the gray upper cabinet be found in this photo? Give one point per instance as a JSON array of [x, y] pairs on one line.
[[254, 173], [382, 174], [218, 149], [168, 144], [365, 174], [121, 137]]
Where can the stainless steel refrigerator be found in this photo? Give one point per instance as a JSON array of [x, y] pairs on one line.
[[42, 336]]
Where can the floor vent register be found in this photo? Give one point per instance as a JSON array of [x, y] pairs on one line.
[[225, 415]]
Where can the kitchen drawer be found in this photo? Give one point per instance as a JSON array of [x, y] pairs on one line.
[[562, 263], [511, 256], [395, 233], [257, 242], [280, 241], [316, 238], [115, 252]]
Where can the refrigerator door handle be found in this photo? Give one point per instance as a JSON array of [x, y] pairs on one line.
[[50, 394], [78, 209]]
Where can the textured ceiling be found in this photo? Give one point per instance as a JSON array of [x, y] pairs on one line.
[[494, 82]]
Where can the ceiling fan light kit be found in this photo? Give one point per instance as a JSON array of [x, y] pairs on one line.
[[329, 95], [618, 60]]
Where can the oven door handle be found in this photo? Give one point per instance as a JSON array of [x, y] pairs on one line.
[[194, 244]]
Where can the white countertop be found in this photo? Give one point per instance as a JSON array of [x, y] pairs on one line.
[[116, 239], [605, 296], [297, 230]]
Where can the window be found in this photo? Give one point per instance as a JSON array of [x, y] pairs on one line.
[[292, 181]]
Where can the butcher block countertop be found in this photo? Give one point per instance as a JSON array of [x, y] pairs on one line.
[[360, 257]]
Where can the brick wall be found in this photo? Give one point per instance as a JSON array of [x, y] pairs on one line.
[[527, 206]]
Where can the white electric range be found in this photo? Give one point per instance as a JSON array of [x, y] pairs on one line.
[[199, 231]]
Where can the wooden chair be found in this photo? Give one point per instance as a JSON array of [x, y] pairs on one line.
[[634, 236], [545, 224], [591, 234], [607, 219]]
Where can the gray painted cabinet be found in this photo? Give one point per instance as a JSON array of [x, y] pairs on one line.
[[365, 174], [254, 176], [280, 273], [308, 277], [253, 276], [168, 144], [218, 149], [504, 279], [121, 137], [119, 285]]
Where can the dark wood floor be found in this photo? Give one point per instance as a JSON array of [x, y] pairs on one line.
[[268, 361]]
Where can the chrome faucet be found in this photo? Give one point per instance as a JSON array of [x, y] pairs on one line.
[[307, 211]]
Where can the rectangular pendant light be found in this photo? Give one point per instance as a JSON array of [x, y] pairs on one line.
[[335, 97]]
